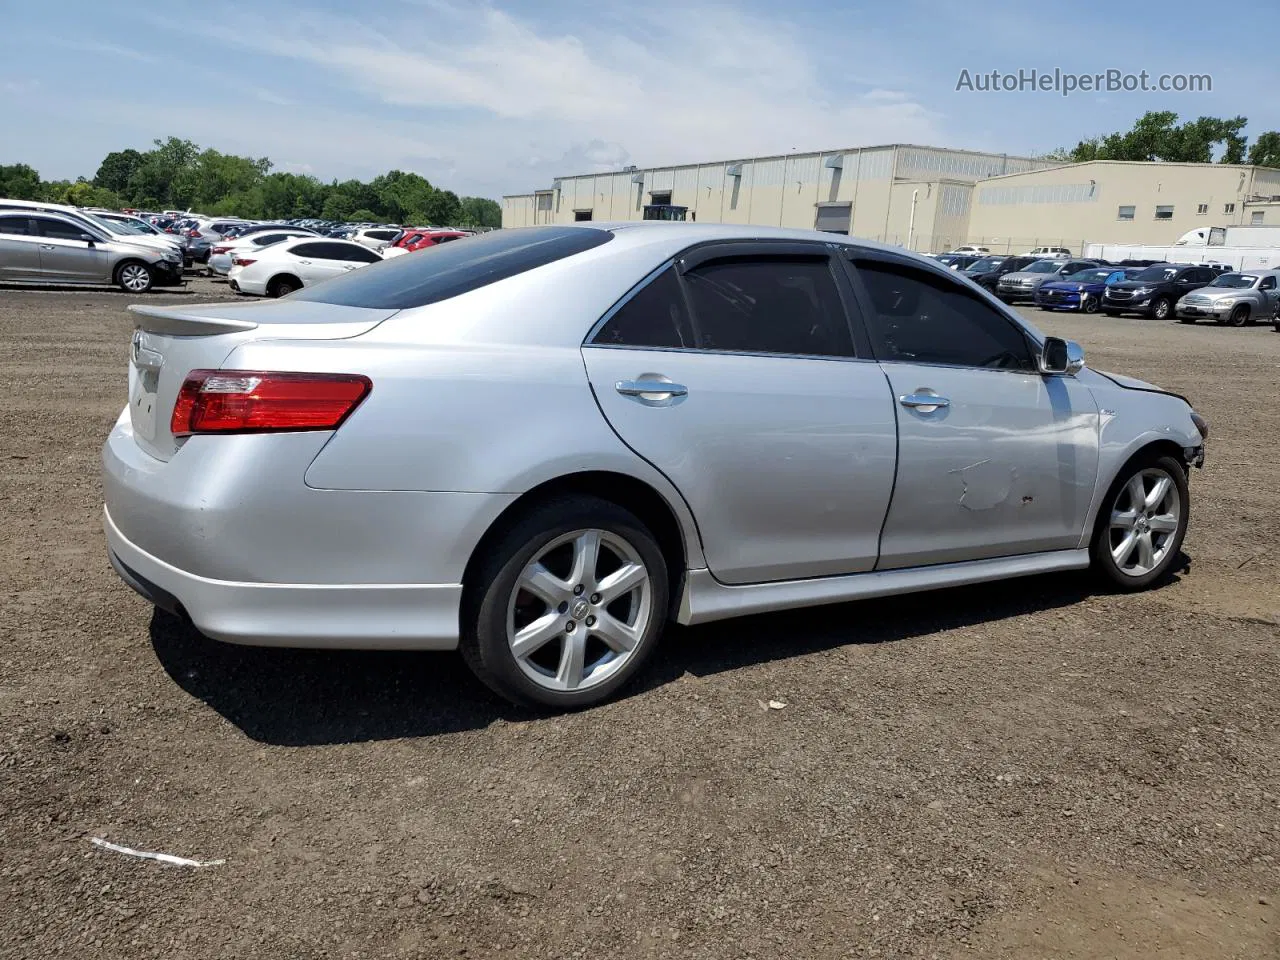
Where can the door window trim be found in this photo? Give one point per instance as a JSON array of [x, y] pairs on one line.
[[710, 251], [866, 307]]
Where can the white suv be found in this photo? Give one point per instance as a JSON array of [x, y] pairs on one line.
[[1050, 253]]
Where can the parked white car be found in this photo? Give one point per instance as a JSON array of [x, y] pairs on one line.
[[375, 238], [287, 266], [221, 254], [1051, 253], [976, 251]]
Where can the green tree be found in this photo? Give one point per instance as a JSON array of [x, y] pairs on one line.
[[82, 193], [364, 215], [117, 169], [337, 206], [19, 182], [1265, 151], [1157, 135], [483, 212]]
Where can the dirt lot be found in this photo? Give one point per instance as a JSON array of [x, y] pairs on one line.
[[1026, 770]]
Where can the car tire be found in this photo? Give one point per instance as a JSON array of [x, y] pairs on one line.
[[283, 286], [1154, 550], [590, 646], [134, 276], [1090, 305], [1161, 307], [1239, 315]]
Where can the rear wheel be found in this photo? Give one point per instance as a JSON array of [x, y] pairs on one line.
[[1142, 522], [568, 605], [282, 286], [134, 277], [1239, 315]]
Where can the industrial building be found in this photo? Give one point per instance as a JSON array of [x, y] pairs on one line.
[[924, 198]]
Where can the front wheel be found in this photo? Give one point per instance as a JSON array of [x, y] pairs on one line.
[[1239, 315], [134, 278], [568, 605], [1142, 523], [1161, 309], [1090, 305]]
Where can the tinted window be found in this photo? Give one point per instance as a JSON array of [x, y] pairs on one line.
[[59, 229], [468, 265], [382, 234], [769, 305], [13, 226], [919, 318], [654, 317], [266, 239], [1157, 274], [354, 252], [311, 250], [1268, 283]]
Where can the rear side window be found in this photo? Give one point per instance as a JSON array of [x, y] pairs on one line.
[[476, 262], [13, 226], [769, 305], [654, 317]]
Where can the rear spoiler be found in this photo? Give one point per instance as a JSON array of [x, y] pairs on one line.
[[187, 321]]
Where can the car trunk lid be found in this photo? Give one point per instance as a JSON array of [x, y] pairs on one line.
[[169, 342]]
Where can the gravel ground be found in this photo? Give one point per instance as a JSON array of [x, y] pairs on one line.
[[1031, 770]]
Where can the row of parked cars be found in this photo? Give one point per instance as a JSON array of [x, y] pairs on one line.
[[1191, 292]]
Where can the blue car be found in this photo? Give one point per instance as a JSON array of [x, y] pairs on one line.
[[1082, 290]]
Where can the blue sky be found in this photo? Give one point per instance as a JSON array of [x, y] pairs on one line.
[[499, 98]]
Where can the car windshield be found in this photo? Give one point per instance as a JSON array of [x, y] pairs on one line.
[[1043, 266], [985, 264], [126, 226], [1235, 281], [1091, 275], [1157, 274]]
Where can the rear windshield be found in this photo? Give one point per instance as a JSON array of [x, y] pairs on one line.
[[448, 270]]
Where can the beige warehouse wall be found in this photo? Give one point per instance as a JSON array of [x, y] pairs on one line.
[[517, 211], [1080, 203]]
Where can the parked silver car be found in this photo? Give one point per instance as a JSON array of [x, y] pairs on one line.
[[1234, 298], [38, 246], [542, 445], [1023, 284]]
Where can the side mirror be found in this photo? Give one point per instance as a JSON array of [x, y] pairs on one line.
[[1061, 357], [88, 238]]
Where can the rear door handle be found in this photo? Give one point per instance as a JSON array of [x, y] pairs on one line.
[[652, 391], [47, 246], [924, 402]]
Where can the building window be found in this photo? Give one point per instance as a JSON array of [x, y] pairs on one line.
[[1257, 216], [1125, 213], [1228, 208], [1202, 209], [582, 215], [1164, 213], [660, 198]]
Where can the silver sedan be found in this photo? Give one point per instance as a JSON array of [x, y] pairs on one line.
[[541, 446]]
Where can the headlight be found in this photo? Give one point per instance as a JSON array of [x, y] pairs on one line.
[[1226, 301], [1141, 291], [1201, 424]]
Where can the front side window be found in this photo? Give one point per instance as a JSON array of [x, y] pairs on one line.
[[769, 304], [1268, 283], [60, 229], [310, 250], [920, 318], [353, 253]]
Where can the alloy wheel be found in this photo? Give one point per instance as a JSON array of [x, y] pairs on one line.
[[135, 277], [579, 610], [1144, 521]]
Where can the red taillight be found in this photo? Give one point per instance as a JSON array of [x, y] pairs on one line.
[[247, 401], [242, 262], [219, 249]]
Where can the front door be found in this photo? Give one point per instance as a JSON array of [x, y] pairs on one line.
[[735, 374], [994, 459], [65, 256]]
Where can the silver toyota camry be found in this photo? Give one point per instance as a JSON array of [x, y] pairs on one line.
[[540, 446]]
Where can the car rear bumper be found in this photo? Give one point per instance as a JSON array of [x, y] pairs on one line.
[[400, 616], [228, 532], [220, 263]]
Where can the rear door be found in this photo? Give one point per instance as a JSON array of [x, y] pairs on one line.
[[994, 459], [65, 256], [19, 249], [320, 260], [734, 371]]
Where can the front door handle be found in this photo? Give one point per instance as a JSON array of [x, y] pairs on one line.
[[652, 390], [47, 246], [924, 402]]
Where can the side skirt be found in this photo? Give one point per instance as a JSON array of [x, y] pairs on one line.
[[706, 599]]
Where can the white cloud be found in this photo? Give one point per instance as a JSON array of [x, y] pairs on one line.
[[508, 103]]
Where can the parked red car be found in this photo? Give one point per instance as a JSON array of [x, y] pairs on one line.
[[417, 239]]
